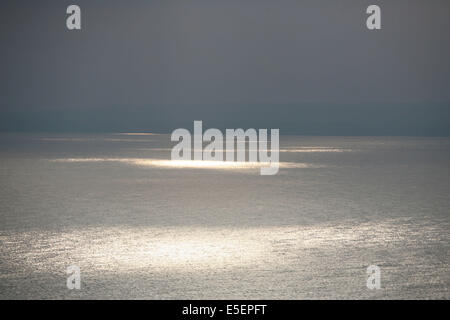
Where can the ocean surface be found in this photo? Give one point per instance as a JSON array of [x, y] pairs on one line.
[[139, 226]]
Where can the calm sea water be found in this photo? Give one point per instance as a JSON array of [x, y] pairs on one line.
[[139, 227]]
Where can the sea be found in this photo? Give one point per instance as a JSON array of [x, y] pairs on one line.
[[139, 226]]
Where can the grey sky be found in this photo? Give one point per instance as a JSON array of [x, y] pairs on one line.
[[307, 67]]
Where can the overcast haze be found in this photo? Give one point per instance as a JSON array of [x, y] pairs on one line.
[[306, 67]]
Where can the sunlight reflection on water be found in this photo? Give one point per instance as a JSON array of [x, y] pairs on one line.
[[200, 164], [130, 248]]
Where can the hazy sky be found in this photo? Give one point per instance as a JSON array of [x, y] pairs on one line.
[[307, 67]]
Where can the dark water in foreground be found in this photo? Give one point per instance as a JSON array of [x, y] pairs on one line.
[[139, 227]]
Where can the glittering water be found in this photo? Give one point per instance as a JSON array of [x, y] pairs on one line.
[[140, 226]]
